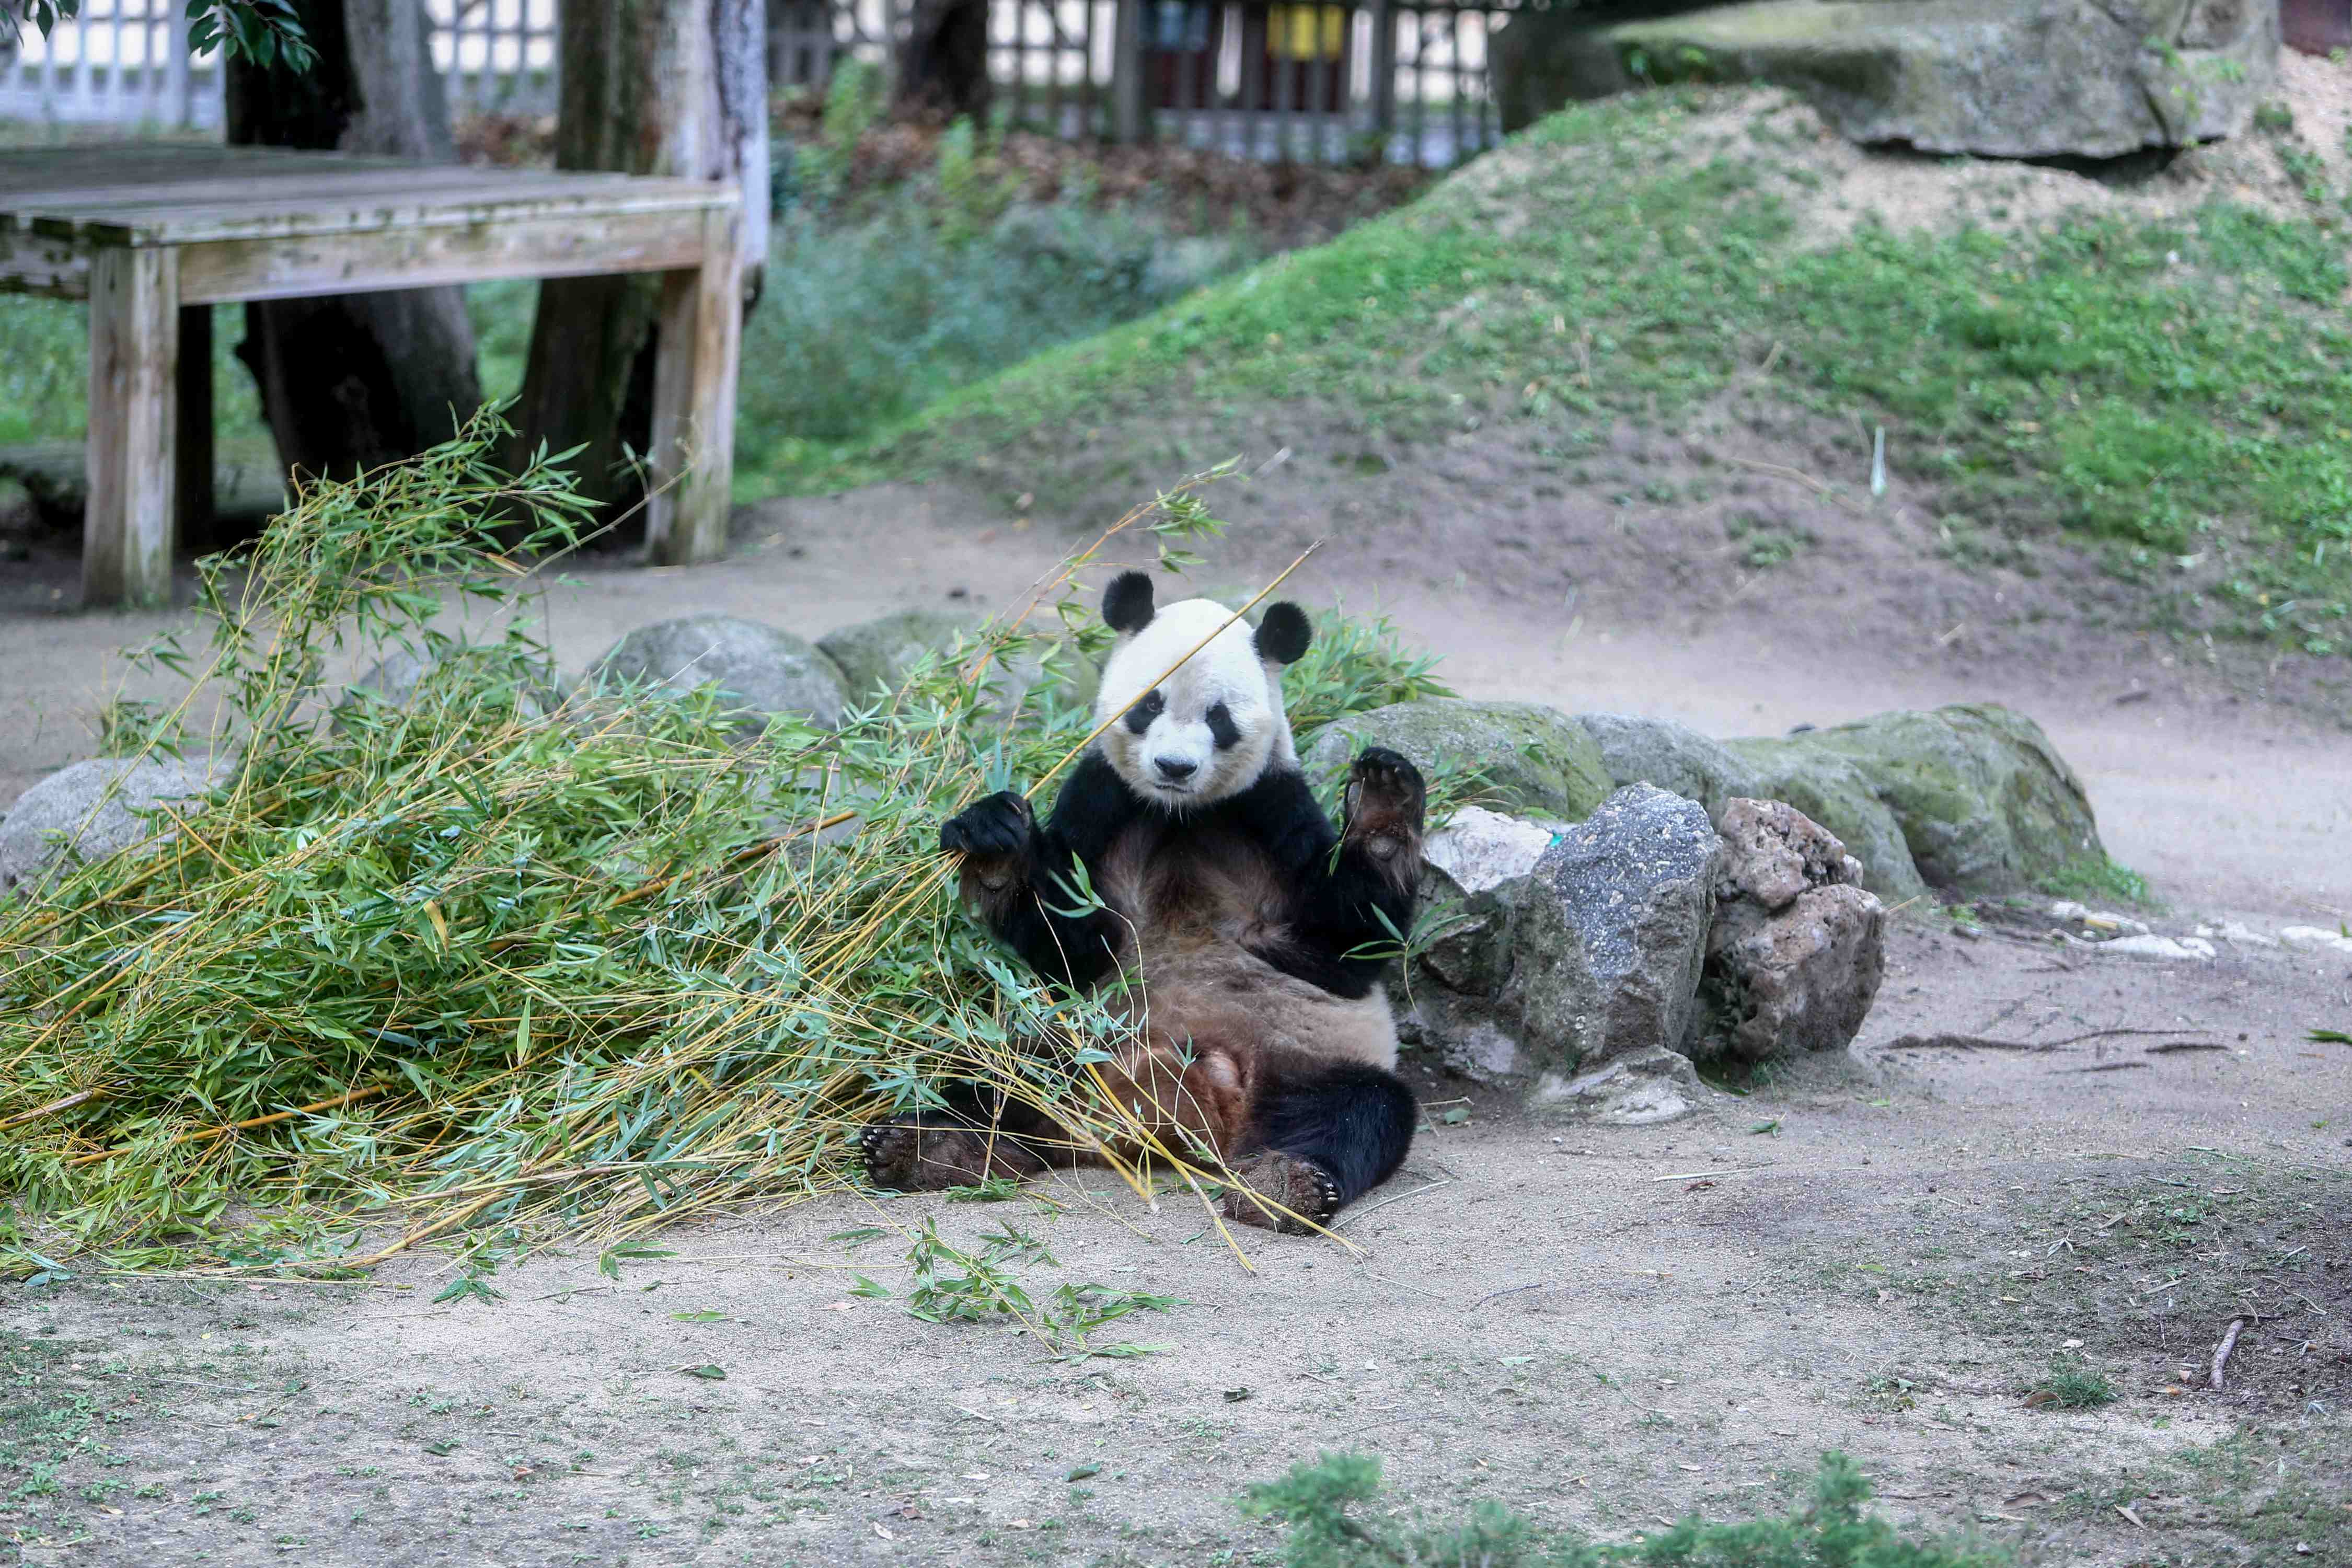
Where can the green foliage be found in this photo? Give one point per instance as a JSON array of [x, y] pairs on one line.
[[953, 1285], [1354, 664], [1833, 1530], [524, 963], [2097, 877], [266, 32], [2071, 1383], [865, 322]]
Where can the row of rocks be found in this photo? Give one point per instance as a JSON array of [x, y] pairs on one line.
[[1971, 799]]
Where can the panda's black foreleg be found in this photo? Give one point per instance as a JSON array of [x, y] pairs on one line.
[[1024, 876], [1353, 891], [1322, 1134]]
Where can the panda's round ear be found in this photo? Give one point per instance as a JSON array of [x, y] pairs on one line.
[[1127, 603], [1284, 635]]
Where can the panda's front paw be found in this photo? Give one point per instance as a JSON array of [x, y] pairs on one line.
[[1385, 802], [989, 829]]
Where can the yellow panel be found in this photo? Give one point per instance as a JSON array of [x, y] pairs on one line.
[[1307, 32]]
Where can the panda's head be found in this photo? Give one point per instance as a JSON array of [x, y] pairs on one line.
[[1209, 729]]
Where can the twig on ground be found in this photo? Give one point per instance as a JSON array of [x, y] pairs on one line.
[[2102, 1067], [2221, 1352], [1393, 1198], [1780, 470], [2172, 1045], [1511, 1290]]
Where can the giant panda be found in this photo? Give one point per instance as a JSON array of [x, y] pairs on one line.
[[1256, 930]]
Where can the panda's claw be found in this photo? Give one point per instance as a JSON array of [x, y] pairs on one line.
[[1385, 801]]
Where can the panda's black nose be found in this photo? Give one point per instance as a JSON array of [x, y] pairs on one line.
[[1176, 770]]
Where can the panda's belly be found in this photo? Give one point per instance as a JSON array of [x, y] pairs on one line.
[[1197, 905]]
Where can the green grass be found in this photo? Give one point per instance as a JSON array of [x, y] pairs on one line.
[[1834, 1529], [2096, 877], [2176, 391], [2071, 1383]]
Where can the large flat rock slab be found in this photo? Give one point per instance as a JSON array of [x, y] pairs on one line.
[[2016, 79]]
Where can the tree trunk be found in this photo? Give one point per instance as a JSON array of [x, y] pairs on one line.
[[350, 381], [649, 87], [943, 65]]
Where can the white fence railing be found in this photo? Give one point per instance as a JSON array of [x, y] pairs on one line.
[[1403, 78], [121, 62]]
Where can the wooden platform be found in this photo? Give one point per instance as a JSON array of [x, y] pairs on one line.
[[149, 232]]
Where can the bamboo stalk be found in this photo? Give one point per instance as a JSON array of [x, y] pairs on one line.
[[251, 1123]]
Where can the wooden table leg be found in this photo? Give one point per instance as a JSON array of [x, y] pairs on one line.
[[134, 339], [694, 402], [194, 469]]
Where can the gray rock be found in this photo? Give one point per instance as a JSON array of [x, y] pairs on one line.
[[1479, 850], [89, 810], [1535, 761], [764, 672], [874, 655], [1639, 1091], [1797, 980], [1592, 954], [1678, 760], [395, 679], [1773, 852], [1829, 787], [1985, 802], [1996, 77]]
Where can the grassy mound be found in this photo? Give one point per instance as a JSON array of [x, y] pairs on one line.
[[494, 964], [2176, 388]]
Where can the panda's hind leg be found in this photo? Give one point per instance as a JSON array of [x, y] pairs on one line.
[[1325, 1133], [979, 1135]]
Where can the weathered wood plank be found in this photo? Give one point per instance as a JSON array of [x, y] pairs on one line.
[[36, 264], [564, 246], [694, 402], [194, 225], [134, 331]]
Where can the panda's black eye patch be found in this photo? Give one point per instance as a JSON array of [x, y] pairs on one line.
[[1140, 717], [1222, 728]]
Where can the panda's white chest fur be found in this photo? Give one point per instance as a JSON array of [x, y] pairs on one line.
[[1198, 898]]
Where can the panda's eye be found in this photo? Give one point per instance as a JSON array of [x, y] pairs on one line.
[[1222, 728], [1140, 717]]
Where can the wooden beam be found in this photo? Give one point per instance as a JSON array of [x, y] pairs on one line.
[[570, 245], [694, 370], [193, 477], [134, 339]]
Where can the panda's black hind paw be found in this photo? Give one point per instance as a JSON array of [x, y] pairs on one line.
[[990, 828], [1282, 1192]]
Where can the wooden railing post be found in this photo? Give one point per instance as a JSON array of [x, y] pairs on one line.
[[1127, 73]]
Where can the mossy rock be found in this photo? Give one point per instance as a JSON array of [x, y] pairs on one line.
[[1673, 757], [1986, 803], [1535, 761], [874, 656], [1832, 789], [760, 672]]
